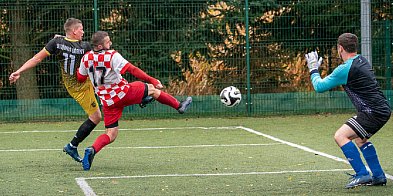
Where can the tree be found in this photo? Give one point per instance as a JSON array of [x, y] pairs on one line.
[[27, 26], [26, 86]]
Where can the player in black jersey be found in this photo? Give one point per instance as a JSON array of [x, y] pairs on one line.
[[69, 51], [373, 111]]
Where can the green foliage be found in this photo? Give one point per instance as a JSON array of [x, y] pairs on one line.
[[151, 33]]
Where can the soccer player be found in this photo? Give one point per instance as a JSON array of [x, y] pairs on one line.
[[105, 67], [69, 51], [373, 111]]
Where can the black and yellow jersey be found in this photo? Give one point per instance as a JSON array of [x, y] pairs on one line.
[[68, 52]]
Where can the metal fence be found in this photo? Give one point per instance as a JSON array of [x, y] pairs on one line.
[[195, 48]]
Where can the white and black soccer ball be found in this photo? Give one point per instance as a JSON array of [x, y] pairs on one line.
[[230, 96]]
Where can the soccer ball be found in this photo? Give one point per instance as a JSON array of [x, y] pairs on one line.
[[230, 96]]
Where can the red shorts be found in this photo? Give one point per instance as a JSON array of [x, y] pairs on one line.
[[135, 94]]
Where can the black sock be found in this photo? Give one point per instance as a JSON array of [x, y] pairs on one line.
[[83, 131]]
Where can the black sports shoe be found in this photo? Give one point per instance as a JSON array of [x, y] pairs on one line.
[[184, 105], [378, 181], [146, 100], [88, 158]]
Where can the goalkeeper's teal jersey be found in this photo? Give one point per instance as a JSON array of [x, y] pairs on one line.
[[358, 80]]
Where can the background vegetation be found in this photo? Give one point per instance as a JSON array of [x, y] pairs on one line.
[[195, 47]]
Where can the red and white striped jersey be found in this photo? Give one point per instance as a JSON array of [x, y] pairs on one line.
[[104, 69]]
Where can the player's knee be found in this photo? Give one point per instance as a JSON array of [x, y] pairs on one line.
[[338, 137], [96, 117], [154, 92], [341, 138], [112, 133]]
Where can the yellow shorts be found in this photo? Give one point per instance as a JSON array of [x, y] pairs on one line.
[[83, 93]]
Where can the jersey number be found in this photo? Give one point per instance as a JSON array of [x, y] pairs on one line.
[[98, 74], [72, 63]]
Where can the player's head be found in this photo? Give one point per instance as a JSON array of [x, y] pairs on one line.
[[74, 29], [348, 42], [101, 41]]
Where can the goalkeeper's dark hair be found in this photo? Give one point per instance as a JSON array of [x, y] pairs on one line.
[[349, 42], [70, 24], [98, 38]]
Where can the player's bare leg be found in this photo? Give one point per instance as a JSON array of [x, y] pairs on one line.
[[343, 137], [168, 99]]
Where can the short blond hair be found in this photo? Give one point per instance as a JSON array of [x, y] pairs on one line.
[[71, 23]]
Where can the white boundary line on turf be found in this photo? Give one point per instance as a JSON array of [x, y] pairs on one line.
[[217, 174], [88, 191], [135, 129], [150, 147], [303, 148]]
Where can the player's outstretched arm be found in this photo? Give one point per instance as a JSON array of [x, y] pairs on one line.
[[138, 73], [28, 65]]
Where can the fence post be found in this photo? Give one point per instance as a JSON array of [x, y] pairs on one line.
[[365, 28], [388, 62], [248, 103], [95, 11]]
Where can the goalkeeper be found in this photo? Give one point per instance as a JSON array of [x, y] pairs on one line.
[[373, 111]]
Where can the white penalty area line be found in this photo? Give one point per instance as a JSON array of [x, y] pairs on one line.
[[303, 148], [88, 191], [134, 129], [151, 147]]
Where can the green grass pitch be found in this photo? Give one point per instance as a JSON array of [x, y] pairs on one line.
[[291, 155]]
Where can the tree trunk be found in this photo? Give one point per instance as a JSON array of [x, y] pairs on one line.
[[27, 84]]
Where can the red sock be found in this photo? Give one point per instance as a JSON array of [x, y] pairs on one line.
[[100, 142], [168, 99]]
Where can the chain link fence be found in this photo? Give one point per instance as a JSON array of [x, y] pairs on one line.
[[195, 48]]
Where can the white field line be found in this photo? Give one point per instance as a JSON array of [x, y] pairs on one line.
[[216, 174], [150, 147], [135, 129], [303, 148], [88, 191]]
